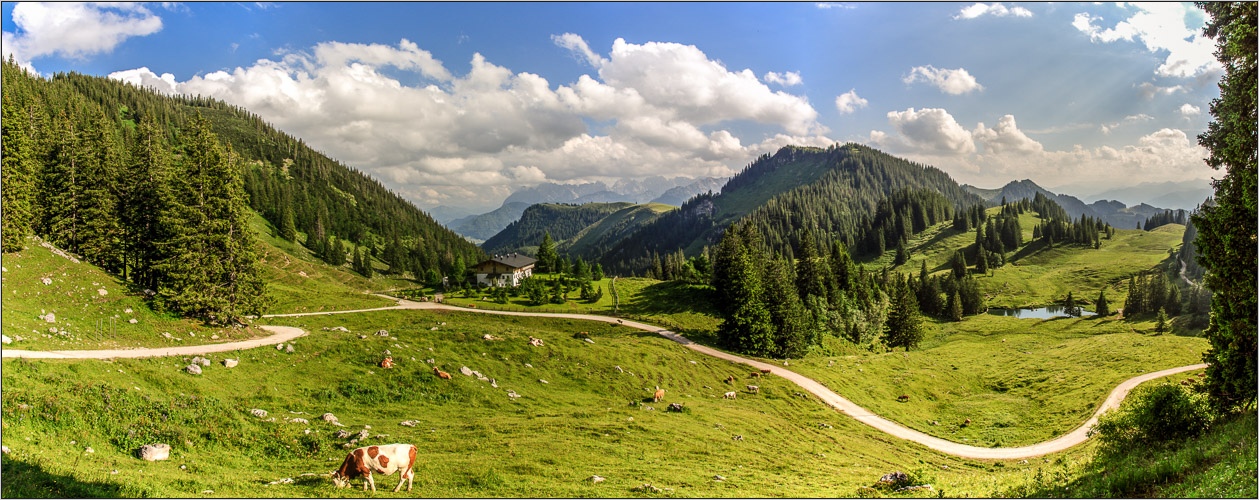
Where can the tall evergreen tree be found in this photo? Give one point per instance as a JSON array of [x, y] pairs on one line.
[[904, 324], [145, 197], [547, 255], [17, 175], [210, 263], [1227, 230], [1103, 307]]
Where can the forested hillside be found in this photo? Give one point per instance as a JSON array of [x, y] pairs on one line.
[[140, 183], [561, 220], [849, 193]]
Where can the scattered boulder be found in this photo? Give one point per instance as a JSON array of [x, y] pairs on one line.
[[289, 349], [50, 318], [465, 370], [133, 321], [300, 420], [102, 292], [596, 479], [894, 478], [194, 369], [200, 361], [363, 434], [155, 452], [382, 333], [719, 477], [259, 413], [342, 434], [512, 394], [619, 369], [6, 339], [646, 488], [279, 347], [231, 363], [4, 449], [593, 341], [328, 417], [407, 423], [486, 336], [46, 281], [914, 488], [674, 407], [127, 310]]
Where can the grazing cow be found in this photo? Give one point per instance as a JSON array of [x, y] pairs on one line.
[[754, 389], [730, 395], [764, 370], [658, 396], [440, 374], [387, 362], [755, 374], [730, 379], [384, 459]]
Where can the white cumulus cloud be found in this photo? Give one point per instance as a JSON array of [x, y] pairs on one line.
[[950, 81], [1162, 28], [787, 79], [849, 102], [995, 9], [930, 131], [1187, 110], [75, 30], [1006, 138], [467, 139]]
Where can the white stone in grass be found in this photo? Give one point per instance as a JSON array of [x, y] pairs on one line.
[[193, 369], [6, 339], [465, 370], [300, 420], [258, 413], [102, 292], [231, 363], [49, 318], [596, 479], [155, 452], [407, 423], [133, 321], [279, 347], [46, 281], [127, 310], [289, 349]]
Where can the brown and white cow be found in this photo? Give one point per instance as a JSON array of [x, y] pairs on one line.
[[383, 459]]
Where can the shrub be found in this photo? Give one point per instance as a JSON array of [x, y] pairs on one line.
[[1163, 414]]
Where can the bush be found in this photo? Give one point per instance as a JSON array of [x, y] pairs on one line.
[[1163, 414]]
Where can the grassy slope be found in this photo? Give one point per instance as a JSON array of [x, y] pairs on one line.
[[476, 441], [323, 287], [74, 299], [615, 226], [1036, 275], [1019, 381]]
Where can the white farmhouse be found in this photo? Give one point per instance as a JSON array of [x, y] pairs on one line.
[[505, 270]]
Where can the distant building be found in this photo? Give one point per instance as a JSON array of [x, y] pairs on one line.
[[505, 270]]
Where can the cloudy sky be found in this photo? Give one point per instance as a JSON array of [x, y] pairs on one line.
[[456, 104]]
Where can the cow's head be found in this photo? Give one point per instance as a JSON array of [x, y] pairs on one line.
[[339, 480]]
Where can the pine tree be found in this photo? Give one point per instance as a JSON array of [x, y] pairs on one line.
[[1160, 321], [288, 228], [1103, 307], [1069, 306], [101, 234], [904, 324], [144, 199], [597, 272], [17, 176], [902, 256], [547, 256], [959, 265], [812, 274], [955, 306], [210, 266]]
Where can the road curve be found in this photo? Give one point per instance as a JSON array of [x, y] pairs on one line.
[[282, 334], [1075, 437], [286, 333]]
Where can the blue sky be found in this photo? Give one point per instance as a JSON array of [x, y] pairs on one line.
[[457, 104]]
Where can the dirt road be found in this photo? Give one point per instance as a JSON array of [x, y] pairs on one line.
[[285, 333]]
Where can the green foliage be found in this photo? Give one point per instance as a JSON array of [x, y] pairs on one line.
[[1101, 306], [547, 258], [1153, 417], [1227, 230], [904, 324]]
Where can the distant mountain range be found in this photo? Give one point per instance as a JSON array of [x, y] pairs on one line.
[[654, 189], [1115, 213]]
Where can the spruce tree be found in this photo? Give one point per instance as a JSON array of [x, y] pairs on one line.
[[1069, 307], [1103, 307], [17, 175], [145, 197], [288, 228], [1160, 321], [547, 256], [955, 306], [904, 324]]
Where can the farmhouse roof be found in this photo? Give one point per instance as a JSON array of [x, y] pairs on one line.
[[513, 260]]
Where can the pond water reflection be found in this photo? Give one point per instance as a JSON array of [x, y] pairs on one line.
[[1046, 312]]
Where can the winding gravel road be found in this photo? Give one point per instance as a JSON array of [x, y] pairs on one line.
[[284, 333]]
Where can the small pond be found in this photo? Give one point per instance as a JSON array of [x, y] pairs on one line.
[[1037, 313]]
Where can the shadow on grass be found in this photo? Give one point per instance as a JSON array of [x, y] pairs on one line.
[[671, 297], [24, 479]]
